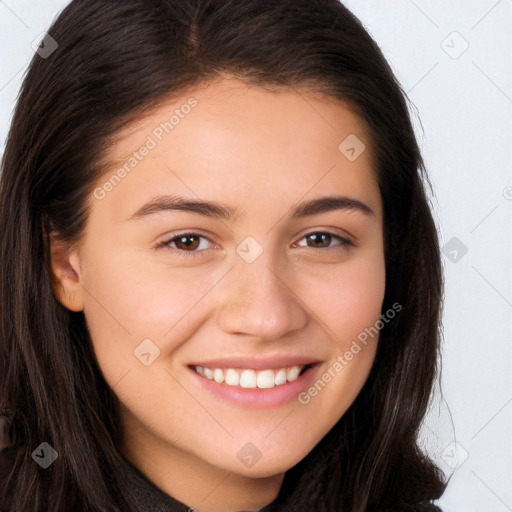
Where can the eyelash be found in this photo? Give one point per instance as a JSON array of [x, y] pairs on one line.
[[344, 243]]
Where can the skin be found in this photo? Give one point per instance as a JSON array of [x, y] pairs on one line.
[[263, 153]]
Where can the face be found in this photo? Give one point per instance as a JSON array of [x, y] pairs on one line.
[[218, 248]]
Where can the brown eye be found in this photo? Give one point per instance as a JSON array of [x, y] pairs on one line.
[[320, 239], [323, 239], [185, 244]]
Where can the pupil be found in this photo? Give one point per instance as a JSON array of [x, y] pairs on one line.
[[318, 237], [183, 240]]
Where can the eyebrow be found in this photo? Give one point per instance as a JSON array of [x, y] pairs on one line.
[[223, 211]]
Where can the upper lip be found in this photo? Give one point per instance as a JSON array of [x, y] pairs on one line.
[[278, 361]]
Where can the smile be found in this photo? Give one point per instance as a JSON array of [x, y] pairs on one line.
[[251, 379]]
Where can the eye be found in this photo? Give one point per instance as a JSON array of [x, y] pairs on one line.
[[323, 239], [185, 243], [189, 244]]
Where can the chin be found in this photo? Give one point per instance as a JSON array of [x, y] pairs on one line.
[[260, 464]]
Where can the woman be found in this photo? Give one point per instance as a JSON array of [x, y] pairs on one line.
[[221, 281]]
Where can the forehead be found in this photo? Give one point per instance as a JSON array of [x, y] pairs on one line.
[[229, 139]]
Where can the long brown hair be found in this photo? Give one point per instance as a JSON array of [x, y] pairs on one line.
[[114, 62]]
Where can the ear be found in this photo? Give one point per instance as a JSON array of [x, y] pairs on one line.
[[65, 263]]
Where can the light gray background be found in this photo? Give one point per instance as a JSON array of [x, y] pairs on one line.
[[464, 101]]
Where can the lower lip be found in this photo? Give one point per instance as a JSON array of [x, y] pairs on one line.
[[259, 398]]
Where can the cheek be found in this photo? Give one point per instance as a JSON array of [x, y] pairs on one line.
[[348, 307], [131, 299], [348, 298], [132, 293]]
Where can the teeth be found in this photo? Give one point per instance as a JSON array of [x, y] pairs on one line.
[[293, 373], [280, 377], [218, 376], [232, 377], [266, 379], [248, 379], [251, 379]]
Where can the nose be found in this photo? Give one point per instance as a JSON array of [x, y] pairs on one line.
[[258, 299]]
